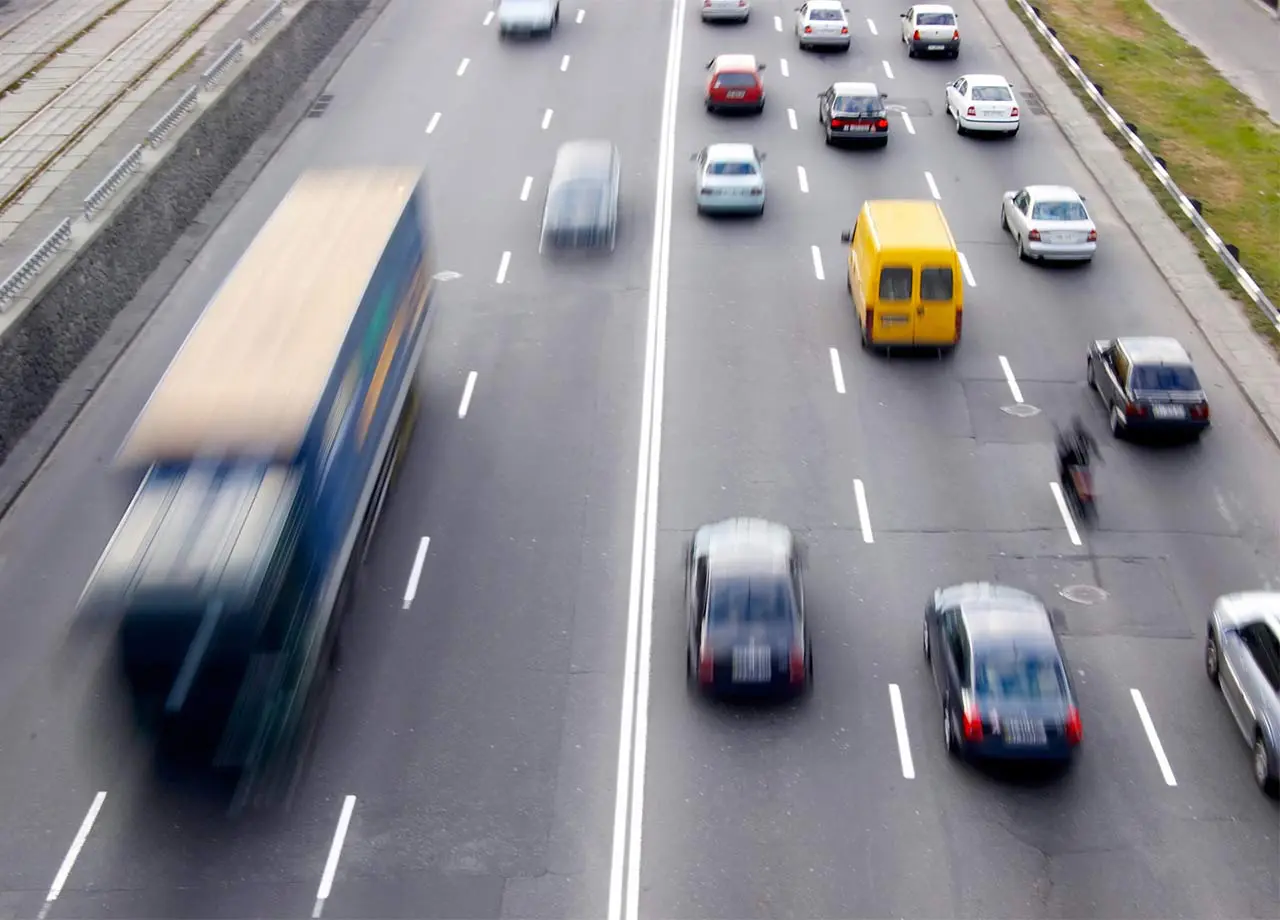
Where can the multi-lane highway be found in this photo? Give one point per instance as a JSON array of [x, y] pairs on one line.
[[511, 717]]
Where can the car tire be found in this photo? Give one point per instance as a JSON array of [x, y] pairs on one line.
[[959, 125], [1012, 134], [949, 738], [954, 54], [1262, 766], [745, 18], [884, 142], [845, 49], [760, 108], [1117, 423], [1088, 375], [928, 652], [1211, 661], [830, 140], [1022, 250], [1004, 220], [911, 51]]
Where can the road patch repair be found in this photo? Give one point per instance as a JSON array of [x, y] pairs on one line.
[[105, 269]]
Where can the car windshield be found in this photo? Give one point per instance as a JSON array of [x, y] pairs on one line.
[[935, 19], [857, 105], [1013, 675], [727, 168], [991, 94], [750, 600], [1165, 377], [825, 15], [735, 79], [1059, 210]]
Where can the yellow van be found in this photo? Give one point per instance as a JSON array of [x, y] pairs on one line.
[[904, 276]]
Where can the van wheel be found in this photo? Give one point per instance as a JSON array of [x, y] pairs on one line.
[[1117, 423]]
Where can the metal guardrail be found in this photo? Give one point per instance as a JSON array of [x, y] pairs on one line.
[[1190, 207], [12, 287], [21, 276], [116, 178]]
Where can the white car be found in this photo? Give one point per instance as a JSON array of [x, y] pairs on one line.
[[983, 102], [931, 28], [822, 24], [726, 10], [1049, 222], [729, 179], [526, 17]]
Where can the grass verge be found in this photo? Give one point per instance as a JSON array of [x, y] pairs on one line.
[[1216, 144]]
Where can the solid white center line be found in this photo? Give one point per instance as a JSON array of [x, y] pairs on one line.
[[933, 186], [581, 13], [864, 516], [1013, 383], [791, 119], [546, 119], [900, 727], [906, 120], [968, 274], [777, 23], [411, 589], [1149, 727], [502, 268], [488, 17], [804, 179], [872, 27], [564, 63], [888, 71], [462, 68], [77, 844], [524, 189], [836, 371], [466, 395], [1061, 500], [817, 263], [335, 851], [435, 120], [786, 72]]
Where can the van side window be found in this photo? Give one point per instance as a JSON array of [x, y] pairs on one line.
[[895, 283], [937, 284]]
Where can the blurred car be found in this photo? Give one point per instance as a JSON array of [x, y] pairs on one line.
[[735, 83], [931, 28], [745, 603], [726, 10], [1147, 383], [854, 112], [1242, 657], [1049, 222], [729, 179], [1000, 674], [822, 24], [527, 17], [983, 102], [581, 209]]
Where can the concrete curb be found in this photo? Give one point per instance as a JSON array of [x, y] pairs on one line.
[[1248, 360], [261, 104]]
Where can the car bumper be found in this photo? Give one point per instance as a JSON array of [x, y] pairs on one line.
[[524, 28], [1062, 252], [744, 104], [731, 204], [780, 687], [1152, 425], [994, 748], [994, 126], [728, 14], [858, 137], [826, 41], [947, 46]]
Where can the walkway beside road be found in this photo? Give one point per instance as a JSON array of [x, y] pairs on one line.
[[1241, 38]]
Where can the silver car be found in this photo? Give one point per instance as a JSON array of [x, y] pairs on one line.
[[527, 17], [726, 10], [729, 179], [1242, 657], [581, 211], [1049, 222], [822, 24]]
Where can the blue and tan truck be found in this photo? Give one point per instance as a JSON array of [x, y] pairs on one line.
[[266, 452]]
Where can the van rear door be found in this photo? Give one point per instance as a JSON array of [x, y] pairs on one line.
[[936, 310], [894, 321]]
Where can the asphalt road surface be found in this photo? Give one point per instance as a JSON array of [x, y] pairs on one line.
[[479, 710]]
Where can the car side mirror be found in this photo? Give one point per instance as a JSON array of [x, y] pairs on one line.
[[710, 63], [761, 66], [884, 95], [846, 237], [1082, 198], [902, 15]]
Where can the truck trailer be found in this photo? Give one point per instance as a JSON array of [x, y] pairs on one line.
[[266, 452]]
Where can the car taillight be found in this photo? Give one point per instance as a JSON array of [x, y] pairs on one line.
[[972, 111], [844, 31], [871, 321], [797, 664], [742, 3], [1034, 235], [837, 122], [972, 723], [808, 29], [706, 4], [1133, 410], [1093, 236], [1200, 411], [1013, 112], [915, 37], [706, 664], [1075, 731], [882, 124], [955, 36], [959, 323]]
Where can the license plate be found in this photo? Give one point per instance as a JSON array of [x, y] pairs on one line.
[[935, 47], [1168, 411], [752, 665], [893, 319], [1061, 237], [737, 95], [1024, 732], [857, 128]]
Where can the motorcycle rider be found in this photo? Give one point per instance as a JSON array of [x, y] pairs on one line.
[[1076, 448]]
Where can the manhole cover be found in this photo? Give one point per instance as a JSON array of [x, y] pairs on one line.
[[1084, 594], [1021, 410], [446, 276]]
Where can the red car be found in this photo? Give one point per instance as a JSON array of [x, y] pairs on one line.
[[735, 83]]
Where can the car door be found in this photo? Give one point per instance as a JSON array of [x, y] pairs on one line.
[[699, 169], [956, 93], [824, 105], [697, 600], [1241, 649], [908, 23], [1019, 211], [946, 653]]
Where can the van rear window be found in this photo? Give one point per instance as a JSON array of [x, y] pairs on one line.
[[895, 283], [937, 284]]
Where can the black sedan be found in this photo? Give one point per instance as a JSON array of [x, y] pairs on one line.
[[1147, 383], [745, 606], [1000, 674]]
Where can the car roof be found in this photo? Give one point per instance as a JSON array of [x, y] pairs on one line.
[[855, 89], [732, 62], [987, 79], [1253, 607], [584, 159], [747, 546], [1053, 193], [1154, 349], [933, 8], [732, 153], [993, 612]]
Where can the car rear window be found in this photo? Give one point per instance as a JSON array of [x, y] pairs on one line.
[[749, 600], [1012, 676], [1059, 210], [1164, 377], [825, 15], [735, 79], [895, 283], [576, 201], [731, 169], [991, 94], [935, 19], [937, 284], [856, 105]]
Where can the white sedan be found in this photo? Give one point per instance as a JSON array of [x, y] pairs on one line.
[[983, 102], [729, 179], [822, 24], [726, 10], [1049, 222]]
